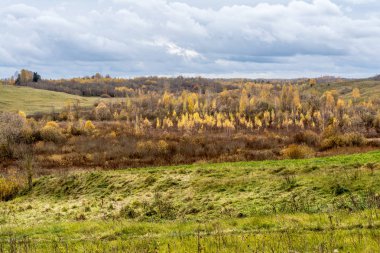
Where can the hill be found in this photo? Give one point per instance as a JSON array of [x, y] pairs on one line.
[[368, 88], [271, 206], [29, 100]]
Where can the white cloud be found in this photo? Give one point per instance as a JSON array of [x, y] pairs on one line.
[[149, 37], [174, 49]]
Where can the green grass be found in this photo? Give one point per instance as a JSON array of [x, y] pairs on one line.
[[311, 205], [29, 100]]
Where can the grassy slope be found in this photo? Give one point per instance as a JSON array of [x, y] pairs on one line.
[[368, 88], [306, 201], [29, 100]]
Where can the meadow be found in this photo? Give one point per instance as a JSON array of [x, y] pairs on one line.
[[308, 205], [31, 101]]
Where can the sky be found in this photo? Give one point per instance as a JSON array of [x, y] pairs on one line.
[[215, 38]]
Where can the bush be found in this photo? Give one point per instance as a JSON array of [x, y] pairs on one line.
[[162, 146], [354, 139], [52, 133], [102, 112], [11, 132], [74, 129], [298, 152], [89, 127], [145, 147], [345, 140], [128, 212], [8, 189], [308, 137]]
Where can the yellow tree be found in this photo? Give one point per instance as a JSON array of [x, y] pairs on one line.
[[340, 105], [244, 101], [166, 100], [329, 100], [312, 82], [296, 100], [266, 118], [356, 93], [258, 122]]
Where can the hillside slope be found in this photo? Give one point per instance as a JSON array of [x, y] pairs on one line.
[[29, 100], [368, 88], [304, 201]]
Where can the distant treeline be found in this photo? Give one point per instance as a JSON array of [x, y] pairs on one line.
[[114, 87]]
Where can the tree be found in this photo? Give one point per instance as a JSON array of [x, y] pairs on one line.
[[36, 77], [244, 101], [258, 122], [296, 100], [266, 118], [28, 167], [356, 93], [312, 82], [330, 101], [24, 77]]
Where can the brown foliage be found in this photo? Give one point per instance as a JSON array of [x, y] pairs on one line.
[[298, 152]]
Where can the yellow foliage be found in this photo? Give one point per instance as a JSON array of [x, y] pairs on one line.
[[51, 132], [89, 126], [298, 152], [146, 123], [145, 146], [167, 123], [266, 118], [340, 103], [22, 114], [244, 101], [258, 122], [356, 93], [8, 188], [52, 124], [162, 146]]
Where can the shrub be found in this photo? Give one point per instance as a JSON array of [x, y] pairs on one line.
[[11, 132], [51, 132], [298, 152], [162, 146], [145, 147], [163, 207], [345, 140], [52, 124], [8, 189], [374, 143], [354, 139], [102, 112], [307, 137], [74, 129], [376, 122], [89, 127], [128, 212]]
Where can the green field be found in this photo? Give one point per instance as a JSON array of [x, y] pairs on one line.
[[314, 205], [29, 100]]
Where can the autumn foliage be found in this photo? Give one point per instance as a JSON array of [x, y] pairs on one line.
[[160, 121]]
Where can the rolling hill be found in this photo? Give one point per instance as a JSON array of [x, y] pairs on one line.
[[29, 100]]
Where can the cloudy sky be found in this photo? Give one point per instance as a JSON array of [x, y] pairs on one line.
[[227, 38]]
